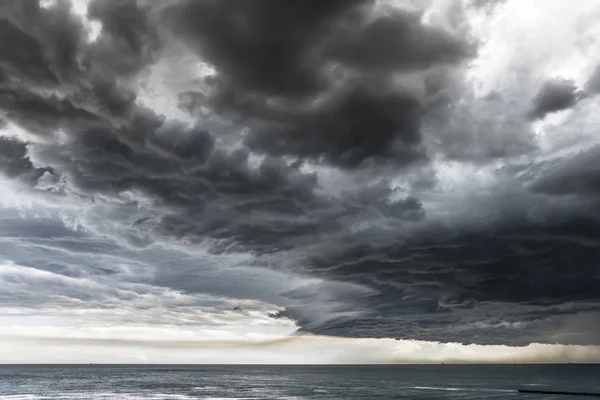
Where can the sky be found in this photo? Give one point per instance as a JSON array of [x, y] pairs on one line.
[[308, 181]]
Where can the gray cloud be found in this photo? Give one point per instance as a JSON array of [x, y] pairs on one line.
[[574, 175], [487, 4], [270, 47], [41, 45], [265, 54], [579, 329], [476, 131], [61, 273], [555, 95], [360, 126], [14, 162], [448, 285], [128, 40], [324, 143], [592, 86], [262, 45], [398, 40]]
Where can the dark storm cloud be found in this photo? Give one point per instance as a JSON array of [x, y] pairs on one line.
[[309, 84], [507, 283], [48, 45], [283, 51], [282, 48], [574, 175], [208, 192], [363, 124], [39, 45], [555, 95], [397, 41], [129, 40], [111, 144], [14, 162], [367, 121], [263, 45], [26, 62]]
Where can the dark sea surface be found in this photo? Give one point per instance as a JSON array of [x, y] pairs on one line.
[[294, 382]]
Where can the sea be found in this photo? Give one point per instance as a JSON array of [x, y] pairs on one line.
[[220, 382]]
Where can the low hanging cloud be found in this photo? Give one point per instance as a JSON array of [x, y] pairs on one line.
[[350, 142]]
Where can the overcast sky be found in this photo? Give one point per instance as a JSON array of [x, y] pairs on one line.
[[299, 181]]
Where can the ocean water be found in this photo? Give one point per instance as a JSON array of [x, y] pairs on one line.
[[293, 382]]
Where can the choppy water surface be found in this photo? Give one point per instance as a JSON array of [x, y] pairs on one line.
[[293, 382]]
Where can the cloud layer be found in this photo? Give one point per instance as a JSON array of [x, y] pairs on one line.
[[411, 171]]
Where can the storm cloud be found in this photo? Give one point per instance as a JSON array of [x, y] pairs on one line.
[[371, 153], [312, 79]]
